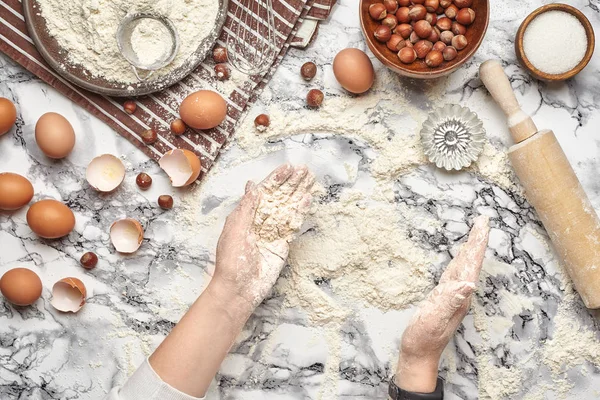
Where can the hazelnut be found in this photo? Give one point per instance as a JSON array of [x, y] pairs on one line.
[[404, 3], [407, 55], [89, 260], [414, 38], [458, 29], [262, 122], [423, 29], [308, 70], [417, 13], [449, 53], [314, 98], [222, 72], [220, 54], [435, 35], [422, 47], [431, 18], [444, 24], [404, 30], [377, 11], [143, 180], [446, 37], [390, 21], [431, 5], [451, 11], [445, 3], [402, 44], [391, 6], [178, 127], [418, 1], [465, 16], [382, 33], [459, 42], [394, 41], [149, 136], [402, 15], [463, 3], [165, 202], [434, 58], [439, 46], [129, 106]]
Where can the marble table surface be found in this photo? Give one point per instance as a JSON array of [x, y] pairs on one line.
[[383, 227]]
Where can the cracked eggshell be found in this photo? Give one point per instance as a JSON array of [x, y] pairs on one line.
[[126, 235], [68, 295], [182, 166], [105, 173]]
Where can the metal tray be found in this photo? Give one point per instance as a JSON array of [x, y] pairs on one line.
[[51, 51]]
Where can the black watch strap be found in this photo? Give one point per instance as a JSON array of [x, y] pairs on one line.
[[396, 393]]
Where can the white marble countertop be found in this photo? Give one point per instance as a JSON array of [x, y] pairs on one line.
[[332, 326]]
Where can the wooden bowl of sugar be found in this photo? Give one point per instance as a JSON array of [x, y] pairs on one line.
[[555, 42]]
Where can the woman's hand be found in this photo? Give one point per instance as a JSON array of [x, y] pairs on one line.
[[254, 244], [438, 317]]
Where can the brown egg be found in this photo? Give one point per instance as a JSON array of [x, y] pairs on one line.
[[50, 219], [15, 191], [21, 286], [353, 70], [54, 135], [203, 109], [8, 115]]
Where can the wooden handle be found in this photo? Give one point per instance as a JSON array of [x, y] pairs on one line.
[[495, 80], [552, 187]]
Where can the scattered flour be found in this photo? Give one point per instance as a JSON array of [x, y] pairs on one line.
[[86, 30]]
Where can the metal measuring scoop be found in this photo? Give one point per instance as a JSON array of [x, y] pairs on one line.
[[124, 33]]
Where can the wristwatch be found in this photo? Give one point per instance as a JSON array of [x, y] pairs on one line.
[[396, 393]]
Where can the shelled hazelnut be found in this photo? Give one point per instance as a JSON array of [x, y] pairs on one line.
[[463, 3], [417, 13], [308, 70], [465, 16], [377, 11], [394, 41], [422, 47], [129, 106], [449, 53], [314, 98], [431, 5], [390, 21], [220, 54], [383, 33], [402, 15], [222, 72], [459, 42], [404, 30], [458, 29], [407, 55], [391, 6]]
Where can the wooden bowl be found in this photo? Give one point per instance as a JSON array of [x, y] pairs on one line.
[[418, 69], [553, 77]]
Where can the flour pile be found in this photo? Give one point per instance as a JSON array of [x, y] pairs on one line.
[[86, 30]]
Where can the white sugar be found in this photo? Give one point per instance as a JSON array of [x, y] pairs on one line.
[[555, 42]]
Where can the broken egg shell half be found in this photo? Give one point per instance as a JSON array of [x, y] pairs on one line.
[[182, 166], [68, 295], [126, 235], [105, 173]]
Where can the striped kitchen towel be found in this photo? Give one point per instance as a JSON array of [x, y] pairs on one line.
[[157, 110]]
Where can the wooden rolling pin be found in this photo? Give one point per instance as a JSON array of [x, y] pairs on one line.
[[552, 187]]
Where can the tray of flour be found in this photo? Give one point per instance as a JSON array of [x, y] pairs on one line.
[[78, 39]]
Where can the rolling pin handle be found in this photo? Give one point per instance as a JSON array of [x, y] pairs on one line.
[[495, 80]]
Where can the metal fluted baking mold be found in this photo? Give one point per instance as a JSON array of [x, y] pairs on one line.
[[453, 137]]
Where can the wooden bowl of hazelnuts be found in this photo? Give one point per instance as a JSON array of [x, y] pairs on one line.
[[424, 39]]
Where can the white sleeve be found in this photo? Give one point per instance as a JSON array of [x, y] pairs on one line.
[[145, 384]]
